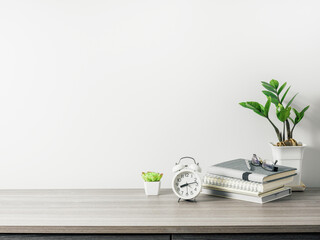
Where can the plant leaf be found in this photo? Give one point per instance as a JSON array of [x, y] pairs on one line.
[[274, 83], [284, 95], [289, 103], [296, 119], [260, 113], [301, 114], [274, 98], [256, 107], [296, 112], [282, 87], [151, 176], [283, 113], [267, 84], [291, 120], [269, 87], [245, 105], [304, 110], [267, 107]]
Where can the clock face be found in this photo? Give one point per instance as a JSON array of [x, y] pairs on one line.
[[186, 184]]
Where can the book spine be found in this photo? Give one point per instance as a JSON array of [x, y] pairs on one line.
[[238, 184]]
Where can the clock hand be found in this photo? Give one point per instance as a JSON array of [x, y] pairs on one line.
[[184, 185], [193, 182]]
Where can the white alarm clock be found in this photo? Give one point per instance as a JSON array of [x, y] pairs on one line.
[[186, 182]]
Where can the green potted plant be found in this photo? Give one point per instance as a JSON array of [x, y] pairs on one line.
[[151, 182], [287, 150]]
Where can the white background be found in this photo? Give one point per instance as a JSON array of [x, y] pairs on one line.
[[93, 92]]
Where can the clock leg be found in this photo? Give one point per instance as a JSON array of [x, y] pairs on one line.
[[179, 199]]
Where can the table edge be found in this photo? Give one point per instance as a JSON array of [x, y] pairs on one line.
[[158, 229]]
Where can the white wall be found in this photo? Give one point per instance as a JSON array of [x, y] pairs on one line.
[[94, 92]]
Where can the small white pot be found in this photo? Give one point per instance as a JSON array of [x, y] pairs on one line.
[[152, 188], [290, 156]]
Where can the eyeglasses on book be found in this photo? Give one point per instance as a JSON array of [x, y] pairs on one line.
[[257, 161]]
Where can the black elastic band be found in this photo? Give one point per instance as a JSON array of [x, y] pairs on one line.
[[245, 175]]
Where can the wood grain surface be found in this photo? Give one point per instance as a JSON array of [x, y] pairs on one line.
[[131, 211], [252, 236], [84, 237]]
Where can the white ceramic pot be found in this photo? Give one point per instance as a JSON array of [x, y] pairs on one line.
[[152, 188], [290, 156]]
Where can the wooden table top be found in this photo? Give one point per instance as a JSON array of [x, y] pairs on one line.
[[131, 211]]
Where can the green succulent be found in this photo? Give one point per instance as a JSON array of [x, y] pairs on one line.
[[283, 112], [151, 176]]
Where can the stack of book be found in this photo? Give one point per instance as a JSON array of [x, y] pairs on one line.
[[233, 179]]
